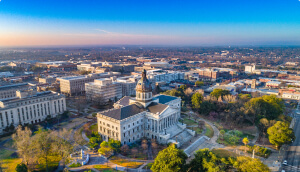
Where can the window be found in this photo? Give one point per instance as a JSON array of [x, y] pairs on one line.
[[124, 134], [128, 126], [116, 128], [133, 124], [124, 128]]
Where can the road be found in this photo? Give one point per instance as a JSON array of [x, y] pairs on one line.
[[292, 155]]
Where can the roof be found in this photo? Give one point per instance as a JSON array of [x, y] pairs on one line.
[[156, 107], [163, 99], [124, 112], [124, 101]]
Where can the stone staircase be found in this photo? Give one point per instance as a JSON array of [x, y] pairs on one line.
[[174, 130], [195, 145]]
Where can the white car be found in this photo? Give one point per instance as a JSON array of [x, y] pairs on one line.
[[282, 170], [284, 162]]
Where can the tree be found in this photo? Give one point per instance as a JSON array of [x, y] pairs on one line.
[[197, 99], [207, 107], [170, 159], [267, 106], [125, 149], [205, 160], [222, 132], [219, 93], [245, 141], [145, 147], [183, 87], [43, 148], [94, 142], [23, 142], [246, 164], [80, 102], [115, 145], [21, 168], [199, 83], [134, 151], [280, 133], [105, 149]]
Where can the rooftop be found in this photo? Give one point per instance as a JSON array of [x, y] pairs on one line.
[[124, 112]]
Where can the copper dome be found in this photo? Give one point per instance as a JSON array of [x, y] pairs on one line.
[[144, 85]]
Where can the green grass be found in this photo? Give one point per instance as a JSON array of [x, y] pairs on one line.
[[105, 168], [94, 128], [209, 131], [222, 153], [75, 165], [148, 166], [125, 162], [189, 121], [198, 130], [9, 163]]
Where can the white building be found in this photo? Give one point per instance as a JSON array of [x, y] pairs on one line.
[[30, 107], [74, 85], [250, 69], [144, 116], [9, 91], [103, 89]]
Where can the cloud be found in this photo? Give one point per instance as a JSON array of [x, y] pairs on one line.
[[100, 30]]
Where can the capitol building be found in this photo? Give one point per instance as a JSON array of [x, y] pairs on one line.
[[153, 117]]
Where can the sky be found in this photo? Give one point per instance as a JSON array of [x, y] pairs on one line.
[[149, 22]]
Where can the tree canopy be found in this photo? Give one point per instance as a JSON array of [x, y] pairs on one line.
[[219, 93], [280, 133], [246, 164], [197, 99], [170, 159]]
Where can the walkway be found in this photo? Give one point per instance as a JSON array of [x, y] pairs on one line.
[[95, 159]]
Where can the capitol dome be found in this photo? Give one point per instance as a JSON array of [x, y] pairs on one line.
[[144, 85], [144, 89]]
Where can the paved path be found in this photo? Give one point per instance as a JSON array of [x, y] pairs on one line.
[[95, 159]]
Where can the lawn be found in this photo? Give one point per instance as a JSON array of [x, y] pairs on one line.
[[140, 155], [125, 162], [209, 131], [222, 153], [9, 144], [198, 130], [105, 168], [94, 127], [189, 121], [9, 163], [148, 166]]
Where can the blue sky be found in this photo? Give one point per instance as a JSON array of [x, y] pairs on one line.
[[145, 22]]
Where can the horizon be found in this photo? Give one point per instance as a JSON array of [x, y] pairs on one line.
[[150, 23]]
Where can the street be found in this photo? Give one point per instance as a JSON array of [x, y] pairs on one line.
[[293, 153]]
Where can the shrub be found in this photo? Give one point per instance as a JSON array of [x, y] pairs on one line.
[[259, 151], [75, 165], [94, 114]]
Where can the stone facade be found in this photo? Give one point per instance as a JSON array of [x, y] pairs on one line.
[[144, 116], [30, 107]]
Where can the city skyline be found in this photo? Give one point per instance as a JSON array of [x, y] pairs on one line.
[[193, 23]]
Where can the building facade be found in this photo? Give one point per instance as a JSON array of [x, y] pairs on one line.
[[30, 107], [103, 90], [75, 85], [9, 91], [144, 116]]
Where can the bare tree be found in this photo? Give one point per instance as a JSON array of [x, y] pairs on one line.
[[80, 103], [145, 147], [125, 149], [23, 142], [134, 151]]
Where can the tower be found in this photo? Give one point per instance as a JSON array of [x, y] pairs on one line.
[[144, 89], [253, 84]]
